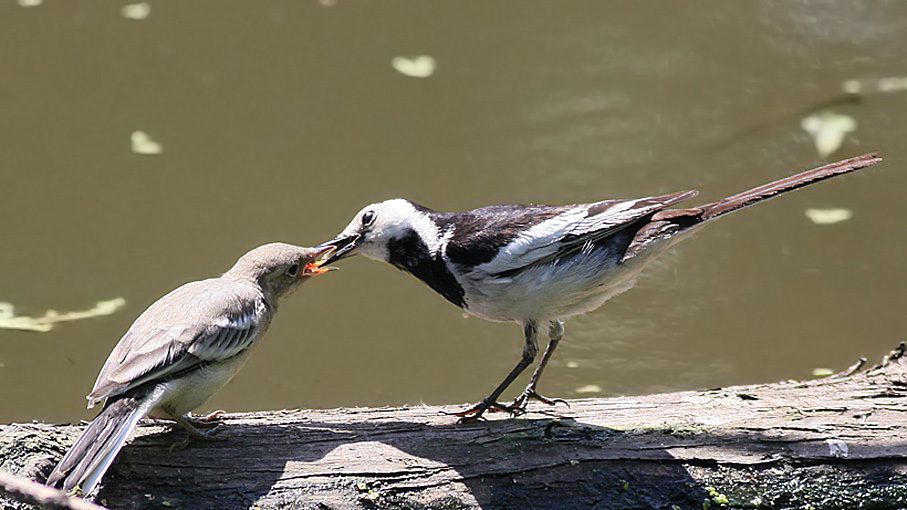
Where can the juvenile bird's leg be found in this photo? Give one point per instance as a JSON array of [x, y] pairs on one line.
[[555, 333], [530, 349]]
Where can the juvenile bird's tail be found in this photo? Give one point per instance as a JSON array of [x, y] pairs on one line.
[[668, 222], [93, 453]]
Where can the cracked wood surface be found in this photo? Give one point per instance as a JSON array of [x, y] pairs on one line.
[[829, 443]]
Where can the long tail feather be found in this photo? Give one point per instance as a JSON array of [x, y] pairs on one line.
[[791, 183], [673, 223], [85, 463]]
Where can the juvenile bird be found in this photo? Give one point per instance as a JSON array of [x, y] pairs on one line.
[[538, 264], [180, 351]]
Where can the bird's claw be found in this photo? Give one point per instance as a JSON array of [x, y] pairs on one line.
[[472, 419], [198, 435], [189, 423], [179, 445], [474, 413], [207, 421], [518, 407], [211, 434]]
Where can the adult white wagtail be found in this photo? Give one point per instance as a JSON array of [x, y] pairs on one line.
[[538, 264], [181, 350]]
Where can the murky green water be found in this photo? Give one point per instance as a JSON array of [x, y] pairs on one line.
[[278, 120]]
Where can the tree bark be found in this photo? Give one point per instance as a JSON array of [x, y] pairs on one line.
[[836, 442]]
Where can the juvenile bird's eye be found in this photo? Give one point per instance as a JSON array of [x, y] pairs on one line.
[[293, 270], [368, 218]]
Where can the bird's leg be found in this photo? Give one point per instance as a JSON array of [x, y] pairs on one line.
[[206, 421], [530, 348], [555, 334], [195, 434]]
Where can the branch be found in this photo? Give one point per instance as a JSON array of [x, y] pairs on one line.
[[27, 491]]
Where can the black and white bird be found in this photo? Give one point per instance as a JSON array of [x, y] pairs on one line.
[[180, 351], [539, 264]]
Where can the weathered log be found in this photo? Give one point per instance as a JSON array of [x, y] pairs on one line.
[[836, 442], [27, 491]]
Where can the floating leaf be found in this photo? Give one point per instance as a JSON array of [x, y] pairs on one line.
[[143, 144], [893, 84], [828, 130], [828, 216], [30, 3], [9, 319], [572, 364], [589, 388], [421, 66], [822, 372], [852, 87], [136, 11], [880, 85]]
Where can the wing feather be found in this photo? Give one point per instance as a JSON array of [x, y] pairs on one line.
[[200, 322], [576, 229]]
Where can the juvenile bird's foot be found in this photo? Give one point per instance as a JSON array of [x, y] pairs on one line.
[[202, 436], [209, 420], [193, 434], [518, 406]]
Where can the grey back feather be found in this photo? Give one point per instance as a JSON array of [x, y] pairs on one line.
[[206, 321]]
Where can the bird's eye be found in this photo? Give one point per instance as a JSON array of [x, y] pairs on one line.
[[293, 270], [368, 218]]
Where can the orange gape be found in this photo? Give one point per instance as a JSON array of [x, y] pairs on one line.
[[315, 267]]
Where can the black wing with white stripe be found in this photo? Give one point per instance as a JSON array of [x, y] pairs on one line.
[[479, 235], [575, 228]]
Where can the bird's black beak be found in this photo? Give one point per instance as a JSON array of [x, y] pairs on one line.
[[343, 247]]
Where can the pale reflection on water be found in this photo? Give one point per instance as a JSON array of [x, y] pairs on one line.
[[279, 122]]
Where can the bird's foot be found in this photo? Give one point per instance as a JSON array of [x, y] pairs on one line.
[[193, 434], [179, 445], [209, 420], [474, 413], [207, 435], [518, 406], [197, 435]]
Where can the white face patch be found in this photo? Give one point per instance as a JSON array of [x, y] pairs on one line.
[[393, 219]]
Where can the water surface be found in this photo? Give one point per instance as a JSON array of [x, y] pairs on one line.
[[279, 120]]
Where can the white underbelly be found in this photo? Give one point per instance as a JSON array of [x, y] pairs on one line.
[[189, 392], [552, 291]]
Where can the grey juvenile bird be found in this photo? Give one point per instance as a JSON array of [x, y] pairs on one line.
[[181, 350], [538, 264]]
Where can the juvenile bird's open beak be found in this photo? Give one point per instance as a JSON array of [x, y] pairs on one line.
[[343, 247], [322, 257]]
